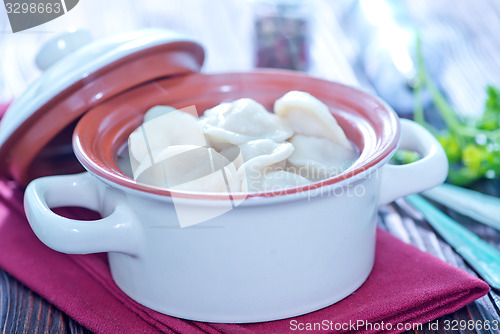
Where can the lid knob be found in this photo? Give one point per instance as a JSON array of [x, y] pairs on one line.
[[61, 46]]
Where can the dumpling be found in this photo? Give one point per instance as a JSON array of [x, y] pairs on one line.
[[317, 158], [189, 168], [242, 121], [266, 151], [261, 157], [261, 154], [240, 147], [175, 127], [309, 116], [279, 180]]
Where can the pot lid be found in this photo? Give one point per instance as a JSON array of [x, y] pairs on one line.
[[78, 75]]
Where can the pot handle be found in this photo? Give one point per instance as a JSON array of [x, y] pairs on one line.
[[117, 232], [430, 171]]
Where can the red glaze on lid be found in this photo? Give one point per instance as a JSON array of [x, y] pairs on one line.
[[28, 152], [99, 136]]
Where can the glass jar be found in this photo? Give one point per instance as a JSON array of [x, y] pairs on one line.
[[282, 29]]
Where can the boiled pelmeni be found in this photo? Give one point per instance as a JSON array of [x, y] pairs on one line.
[[317, 158], [172, 128], [261, 157], [242, 121], [267, 151], [309, 116], [189, 168]]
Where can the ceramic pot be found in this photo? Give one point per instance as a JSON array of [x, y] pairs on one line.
[[270, 256]]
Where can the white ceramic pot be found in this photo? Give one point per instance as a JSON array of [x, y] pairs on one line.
[[256, 257], [268, 258]]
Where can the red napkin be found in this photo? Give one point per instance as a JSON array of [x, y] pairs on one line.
[[405, 286]]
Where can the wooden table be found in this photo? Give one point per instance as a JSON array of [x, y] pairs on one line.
[[225, 29]]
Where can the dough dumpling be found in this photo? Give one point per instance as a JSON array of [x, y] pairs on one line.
[[266, 151], [261, 157], [189, 168], [242, 121], [240, 146], [317, 158], [175, 127], [309, 116]]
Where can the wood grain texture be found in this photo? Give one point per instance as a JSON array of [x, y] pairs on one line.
[[23, 311]]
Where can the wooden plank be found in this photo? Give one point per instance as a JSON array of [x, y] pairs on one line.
[[23, 311]]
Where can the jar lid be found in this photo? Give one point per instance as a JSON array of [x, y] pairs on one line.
[[36, 130]]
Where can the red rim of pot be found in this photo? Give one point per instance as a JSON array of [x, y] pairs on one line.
[[100, 135]]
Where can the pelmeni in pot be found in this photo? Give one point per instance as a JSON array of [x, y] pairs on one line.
[[255, 150]]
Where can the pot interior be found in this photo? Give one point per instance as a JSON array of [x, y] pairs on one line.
[[100, 138]]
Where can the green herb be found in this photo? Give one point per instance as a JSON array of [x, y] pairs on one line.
[[402, 157], [472, 147]]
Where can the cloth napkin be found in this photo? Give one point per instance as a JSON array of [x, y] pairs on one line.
[[405, 286]]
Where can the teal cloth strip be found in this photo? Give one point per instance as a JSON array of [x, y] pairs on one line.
[[480, 207], [484, 258]]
